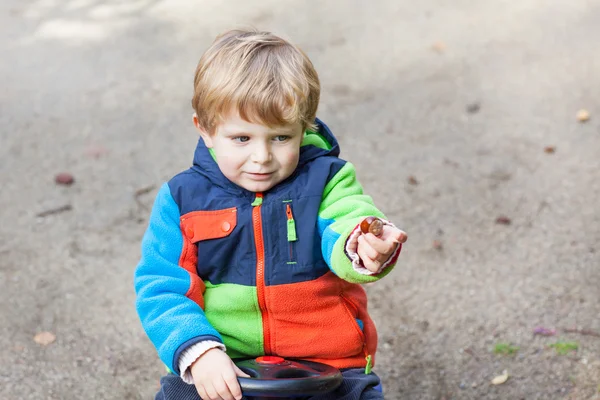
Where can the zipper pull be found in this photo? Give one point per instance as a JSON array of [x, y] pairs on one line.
[[258, 200], [291, 224], [369, 359]]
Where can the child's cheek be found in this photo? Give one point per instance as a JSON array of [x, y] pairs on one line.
[[294, 156]]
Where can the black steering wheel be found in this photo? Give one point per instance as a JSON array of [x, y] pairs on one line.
[[277, 377]]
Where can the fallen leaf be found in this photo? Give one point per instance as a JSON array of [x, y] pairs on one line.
[[582, 332], [503, 220], [412, 180], [549, 149], [44, 338], [142, 191], [500, 379], [64, 178], [583, 115], [540, 330], [438, 47], [57, 210]]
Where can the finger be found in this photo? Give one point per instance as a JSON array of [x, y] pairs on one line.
[[376, 251], [211, 393], [379, 245], [239, 372], [201, 392], [234, 385], [223, 390], [393, 234], [399, 236], [403, 237], [369, 263]]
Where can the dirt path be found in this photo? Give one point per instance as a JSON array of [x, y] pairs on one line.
[[463, 98]]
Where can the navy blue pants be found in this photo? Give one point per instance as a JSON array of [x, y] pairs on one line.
[[356, 386]]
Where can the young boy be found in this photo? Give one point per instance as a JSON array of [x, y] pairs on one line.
[[257, 248]]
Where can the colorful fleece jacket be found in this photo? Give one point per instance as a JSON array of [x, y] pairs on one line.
[[263, 273]]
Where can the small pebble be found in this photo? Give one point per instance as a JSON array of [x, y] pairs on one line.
[[550, 149]]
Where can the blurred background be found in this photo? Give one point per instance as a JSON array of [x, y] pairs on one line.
[[475, 126]]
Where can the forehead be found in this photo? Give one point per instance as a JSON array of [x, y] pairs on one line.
[[232, 122]]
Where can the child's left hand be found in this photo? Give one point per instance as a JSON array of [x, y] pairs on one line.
[[375, 251]]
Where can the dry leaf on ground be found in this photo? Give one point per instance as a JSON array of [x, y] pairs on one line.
[[438, 47], [583, 115], [64, 178], [550, 149], [473, 108], [500, 379], [44, 338], [540, 330], [503, 220]]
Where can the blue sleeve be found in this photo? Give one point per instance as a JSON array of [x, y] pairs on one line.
[[171, 320]]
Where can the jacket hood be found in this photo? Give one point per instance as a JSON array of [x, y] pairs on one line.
[[315, 144]]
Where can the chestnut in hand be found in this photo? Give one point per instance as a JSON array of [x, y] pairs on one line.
[[373, 225]]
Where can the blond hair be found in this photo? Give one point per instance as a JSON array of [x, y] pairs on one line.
[[265, 78]]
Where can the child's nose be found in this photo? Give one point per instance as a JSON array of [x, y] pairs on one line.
[[261, 155]]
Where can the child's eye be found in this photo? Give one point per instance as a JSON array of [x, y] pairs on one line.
[[240, 139], [281, 138]]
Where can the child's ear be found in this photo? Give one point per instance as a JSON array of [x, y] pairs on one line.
[[205, 135]]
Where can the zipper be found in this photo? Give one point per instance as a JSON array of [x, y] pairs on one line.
[[368, 357], [291, 231], [260, 269]]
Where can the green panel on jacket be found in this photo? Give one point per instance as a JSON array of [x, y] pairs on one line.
[[233, 311]]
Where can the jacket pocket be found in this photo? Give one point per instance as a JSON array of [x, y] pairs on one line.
[[352, 310], [204, 225], [215, 242]]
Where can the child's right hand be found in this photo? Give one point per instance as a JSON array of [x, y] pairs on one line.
[[215, 376]]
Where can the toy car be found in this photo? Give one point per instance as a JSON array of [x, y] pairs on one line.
[[276, 377]]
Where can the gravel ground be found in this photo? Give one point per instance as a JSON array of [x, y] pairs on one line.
[[446, 109]]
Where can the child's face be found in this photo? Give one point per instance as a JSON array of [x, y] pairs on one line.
[[254, 156]]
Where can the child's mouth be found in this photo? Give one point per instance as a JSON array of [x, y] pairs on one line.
[[259, 177]]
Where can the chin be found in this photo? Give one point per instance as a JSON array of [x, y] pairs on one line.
[[258, 186]]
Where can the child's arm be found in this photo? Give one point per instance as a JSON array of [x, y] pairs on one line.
[[169, 298], [342, 209]]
